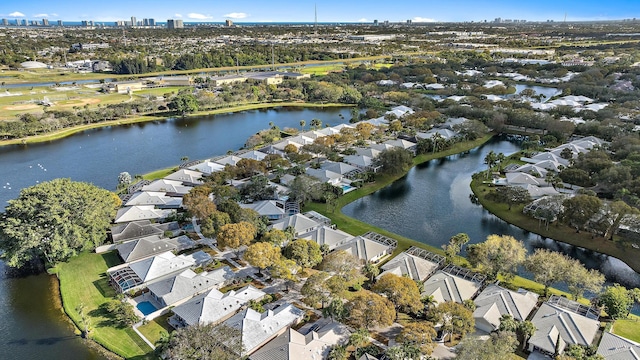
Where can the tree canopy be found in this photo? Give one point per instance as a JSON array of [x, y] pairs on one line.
[[236, 235], [54, 220], [394, 161], [401, 290], [305, 253], [498, 255], [204, 342], [369, 310]]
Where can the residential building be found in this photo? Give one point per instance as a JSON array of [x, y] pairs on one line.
[[299, 222], [141, 212], [312, 346], [152, 245], [176, 290], [272, 209], [370, 247], [170, 187], [213, 306], [158, 199], [327, 235], [495, 301], [259, 328], [453, 284], [561, 322], [143, 272], [138, 229], [187, 177], [415, 263], [615, 347]]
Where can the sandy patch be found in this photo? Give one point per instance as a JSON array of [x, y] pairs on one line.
[[22, 107], [81, 102]]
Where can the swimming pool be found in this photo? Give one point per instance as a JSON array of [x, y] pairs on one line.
[[146, 308]]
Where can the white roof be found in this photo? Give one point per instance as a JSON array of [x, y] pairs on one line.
[[207, 167], [338, 167], [409, 265], [153, 198], [186, 175], [292, 345], [495, 301], [170, 186], [188, 283], [445, 133], [324, 175], [326, 235], [358, 160], [254, 155], [446, 287], [537, 171], [228, 160], [160, 265], [401, 143], [299, 222], [214, 306], [266, 207], [516, 178], [151, 245], [370, 151], [540, 191], [549, 156], [140, 212], [363, 248], [551, 320], [492, 83], [614, 347], [578, 99], [257, 328]]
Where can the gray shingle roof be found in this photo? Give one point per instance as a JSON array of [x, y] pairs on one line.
[[614, 347], [551, 320], [494, 301], [188, 283]]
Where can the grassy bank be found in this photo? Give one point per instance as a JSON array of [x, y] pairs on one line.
[[628, 328], [76, 129], [83, 280], [618, 249]]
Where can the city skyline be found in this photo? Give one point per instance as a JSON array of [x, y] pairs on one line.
[[328, 11]]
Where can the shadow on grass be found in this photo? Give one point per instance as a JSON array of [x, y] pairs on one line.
[[104, 287], [111, 258], [108, 319]]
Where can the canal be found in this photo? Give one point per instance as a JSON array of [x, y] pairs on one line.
[[432, 203]]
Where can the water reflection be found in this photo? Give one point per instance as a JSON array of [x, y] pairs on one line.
[[432, 203]]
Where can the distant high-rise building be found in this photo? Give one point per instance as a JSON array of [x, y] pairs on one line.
[[497, 20], [228, 23], [409, 22], [60, 23], [375, 22], [133, 21], [85, 23], [45, 22], [25, 22], [152, 22], [386, 22], [175, 24], [91, 23], [5, 22]]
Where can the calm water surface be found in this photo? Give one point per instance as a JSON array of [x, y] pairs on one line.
[[30, 325], [432, 203]]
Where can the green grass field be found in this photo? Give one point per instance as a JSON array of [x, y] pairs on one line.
[[323, 69], [159, 174], [155, 329], [83, 280], [628, 328]]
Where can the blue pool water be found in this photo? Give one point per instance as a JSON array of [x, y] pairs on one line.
[[146, 308]]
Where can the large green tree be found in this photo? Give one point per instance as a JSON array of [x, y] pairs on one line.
[[305, 253], [54, 220], [401, 290], [498, 255], [184, 103], [394, 161], [617, 300]]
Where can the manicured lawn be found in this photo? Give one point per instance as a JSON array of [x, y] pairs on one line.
[[83, 281], [155, 329], [619, 249], [322, 70], [628, 328], [159, 174]]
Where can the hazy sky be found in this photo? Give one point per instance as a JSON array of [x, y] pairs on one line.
[[328, 10]]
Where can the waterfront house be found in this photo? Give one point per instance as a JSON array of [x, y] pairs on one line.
[[415, 263], [170, 187], [141, 212], [137, 229], [300, 224], [370, 247], [495, 301], [453, 284], [561, 322], [155, 198], [152, 245], [615, 347], [187, 177], [327, 235]]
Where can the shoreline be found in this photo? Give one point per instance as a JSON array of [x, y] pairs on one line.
[[557, 232], [58, 302], [66, 132]]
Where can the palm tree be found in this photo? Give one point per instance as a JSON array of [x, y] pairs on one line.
[[302, 124], [359, 338], [526, 329], [316, 123], [490, 159], [338, 352]]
